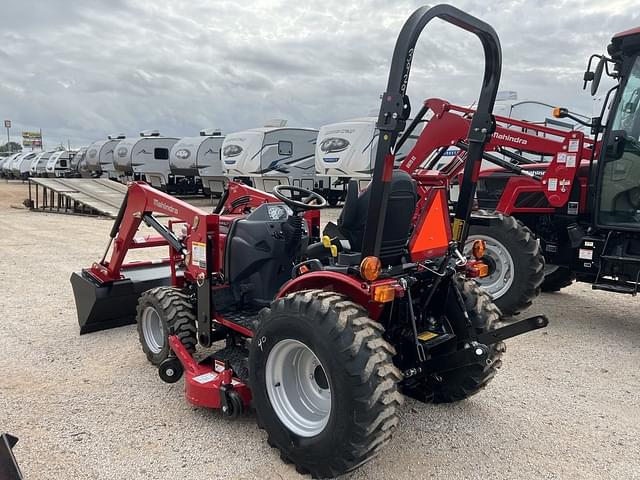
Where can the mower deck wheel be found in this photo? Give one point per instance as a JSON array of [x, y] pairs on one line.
[[323, 382], [170, 370], [163, 311]]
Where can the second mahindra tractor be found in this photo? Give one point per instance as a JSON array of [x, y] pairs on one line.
[[578, 196], [319, 334]]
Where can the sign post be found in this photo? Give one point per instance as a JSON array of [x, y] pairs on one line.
[[7, 125]]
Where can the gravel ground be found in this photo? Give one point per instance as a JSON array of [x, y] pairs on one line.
[[565, 405]]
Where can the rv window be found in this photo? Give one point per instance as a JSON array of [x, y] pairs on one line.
[[161, 154], [285, 148]]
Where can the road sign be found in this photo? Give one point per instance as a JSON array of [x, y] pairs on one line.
[[7, 124]]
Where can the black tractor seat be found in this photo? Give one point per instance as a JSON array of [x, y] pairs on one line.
[[403, 198]]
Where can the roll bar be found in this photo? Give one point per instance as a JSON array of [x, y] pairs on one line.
[[395, 110]]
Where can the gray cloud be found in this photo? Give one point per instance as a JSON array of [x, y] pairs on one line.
[[81, 70]]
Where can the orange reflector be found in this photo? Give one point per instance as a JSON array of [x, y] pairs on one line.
[[384, 293], [557, 112], [482, 269], [370, 268], [479, 247], [304, 269], [477, 269], [431, 236]]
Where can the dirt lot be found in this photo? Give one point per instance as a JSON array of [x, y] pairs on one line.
[[565, 405]]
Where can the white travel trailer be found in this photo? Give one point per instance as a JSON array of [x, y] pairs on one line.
[[271, 155], [78, 163], [100, 157], [147, 158], [36, 169], [5, 164], [346, 150], [198, 160], [20, 165], [59, 164]]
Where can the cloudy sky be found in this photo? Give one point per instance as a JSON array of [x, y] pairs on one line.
[[83, 69]]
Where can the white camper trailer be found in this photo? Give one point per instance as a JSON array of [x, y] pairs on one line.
[[78, 163], [100, 157], [147, 158], [20, 165], [197, 159], [36, 169], [59, 164], [346, 150], [5, 165], [271, 155]]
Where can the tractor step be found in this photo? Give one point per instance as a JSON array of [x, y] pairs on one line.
[[615, 288], [238, 358], [246, 320]]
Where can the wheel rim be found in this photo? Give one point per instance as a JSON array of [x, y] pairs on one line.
[[153, 330], [298, 388], [500, 279]]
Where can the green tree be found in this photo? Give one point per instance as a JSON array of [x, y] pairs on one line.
[[10, 147]]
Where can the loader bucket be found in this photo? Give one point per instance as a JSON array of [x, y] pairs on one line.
[[102, 306]]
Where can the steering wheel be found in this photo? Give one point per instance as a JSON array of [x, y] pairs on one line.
[[297, 205]]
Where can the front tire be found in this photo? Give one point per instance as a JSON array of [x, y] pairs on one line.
[[323, 383], [160, 311], [516, 264]]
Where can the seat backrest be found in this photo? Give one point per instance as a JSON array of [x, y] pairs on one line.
[[397, 225]]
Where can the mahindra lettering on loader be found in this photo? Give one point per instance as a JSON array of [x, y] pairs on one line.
[[319, 334]]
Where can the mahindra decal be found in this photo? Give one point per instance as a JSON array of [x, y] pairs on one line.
[[510, 138], [165, 206]]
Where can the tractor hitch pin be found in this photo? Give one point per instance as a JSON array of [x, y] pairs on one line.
[[419, 348], [462, 261]]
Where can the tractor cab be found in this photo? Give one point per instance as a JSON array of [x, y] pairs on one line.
[[618, 204]]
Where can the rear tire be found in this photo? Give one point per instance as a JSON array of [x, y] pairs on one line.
[[462, 383], [323, 383], [515, 260], [162, 310], [557, 280]]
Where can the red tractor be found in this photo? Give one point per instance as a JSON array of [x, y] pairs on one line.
[[581, 201], [318, 334], [510, 249]]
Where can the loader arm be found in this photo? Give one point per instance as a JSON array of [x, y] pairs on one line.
[[142, 200], [449, 126]]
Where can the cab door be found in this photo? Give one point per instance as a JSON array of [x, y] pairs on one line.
[[618, 198]]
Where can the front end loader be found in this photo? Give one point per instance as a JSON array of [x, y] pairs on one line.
[[319, 334]]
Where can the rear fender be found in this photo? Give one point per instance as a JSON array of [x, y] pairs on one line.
[[357, 291]]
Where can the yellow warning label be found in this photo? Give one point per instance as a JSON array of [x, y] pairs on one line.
[[424, 336], [458, 226]]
